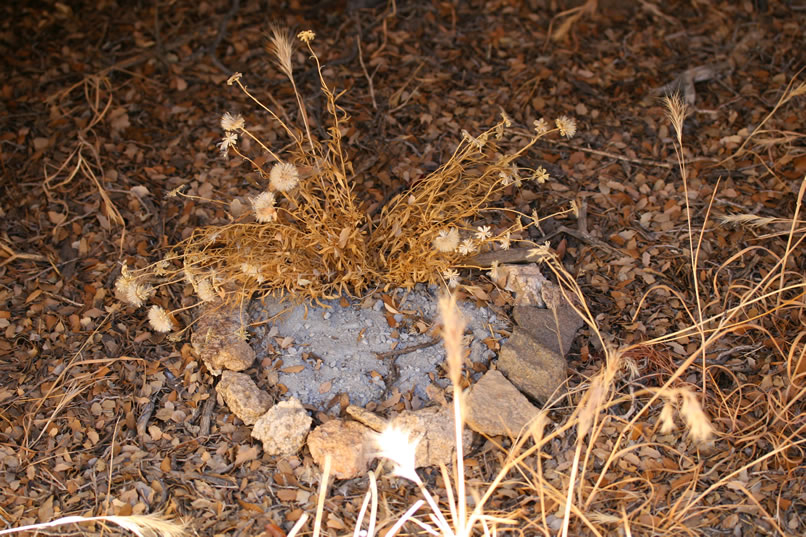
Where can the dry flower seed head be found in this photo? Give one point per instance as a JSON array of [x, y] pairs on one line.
[[495, 270], [447, 240], [205, 291], [505, 119], [306, 36], [467, 247], [541, 175], [263, 204], [541, 126], [567, 126], [506, 241], [234, 78], [575, 208], [283, 177], [483, 233], [230, 139], [159, 319], [451, 277], [506, 177], [232, 123], [252, 271], [397, 445]]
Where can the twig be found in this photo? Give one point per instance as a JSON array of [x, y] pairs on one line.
[[406, 350]]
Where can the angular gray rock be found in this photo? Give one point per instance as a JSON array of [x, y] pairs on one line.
[[434, 427], [532, 367], [243, 397], [495, 407], [217, 341], [283, 428], [347, 442], [541, 325]]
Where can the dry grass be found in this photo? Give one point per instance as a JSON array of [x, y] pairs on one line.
[[582, 467], [595, 471], [308, 235]]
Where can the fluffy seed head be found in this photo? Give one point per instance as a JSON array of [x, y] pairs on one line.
[[567, 126], [232, 123], [159, 319], [396, 445], [447, 240], [263, 204], [205, 291], [128, 290], [283, 177]]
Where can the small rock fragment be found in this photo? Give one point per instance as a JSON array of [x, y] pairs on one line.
[[525, 281], [532, 367], [217, 341], [243, 397], [496, 407], [434, 427], [370, 419], [347, 444], [542, 326], [283, 428]]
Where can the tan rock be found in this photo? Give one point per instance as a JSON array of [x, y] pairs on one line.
[[347, 443], [243, 397], [495, 407], [283, 428], [370, 419], [532, 367], [218, 342], [434, 427]]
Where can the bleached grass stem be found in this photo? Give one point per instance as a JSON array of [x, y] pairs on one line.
[[320, 504], [140, 525]]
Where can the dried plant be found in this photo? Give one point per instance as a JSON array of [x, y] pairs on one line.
[[309, 236]]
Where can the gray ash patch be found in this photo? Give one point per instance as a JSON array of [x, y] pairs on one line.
[[337, 349]]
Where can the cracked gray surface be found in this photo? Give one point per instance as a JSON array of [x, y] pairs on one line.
[[320, 352]]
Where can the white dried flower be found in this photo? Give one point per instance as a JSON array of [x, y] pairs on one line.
[[567, 126], [452, 277], [541, 175], [483, 233], [541, 126], [506, 178], [230, 139], [447, 240], [159, 319], [232, 123], [467, 247], [263, 204], [283, 176]]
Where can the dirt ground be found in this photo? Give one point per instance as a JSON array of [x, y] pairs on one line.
[[107, 108]]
